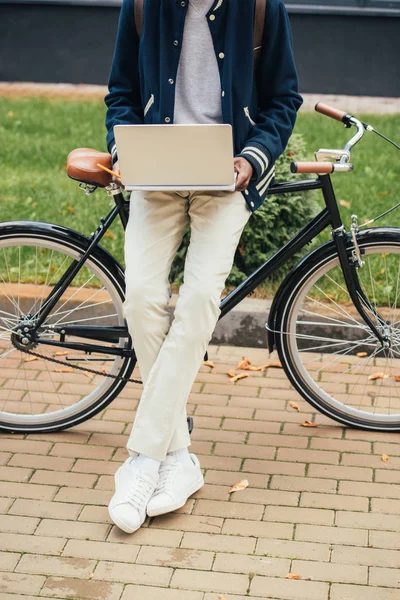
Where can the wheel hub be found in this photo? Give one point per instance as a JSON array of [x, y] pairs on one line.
[[24, 335]]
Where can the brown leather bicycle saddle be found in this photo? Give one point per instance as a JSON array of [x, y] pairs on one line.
[[82, 166]]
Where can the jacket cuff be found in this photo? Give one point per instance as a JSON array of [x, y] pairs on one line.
[[258, 157], [113, 152]]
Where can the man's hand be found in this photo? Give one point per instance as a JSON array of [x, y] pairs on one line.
[[244, 171], [115, 168]]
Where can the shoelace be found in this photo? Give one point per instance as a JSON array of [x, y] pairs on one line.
[[167, 476], [139, 493]]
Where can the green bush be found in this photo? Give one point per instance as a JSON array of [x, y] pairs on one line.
[[269, 227]]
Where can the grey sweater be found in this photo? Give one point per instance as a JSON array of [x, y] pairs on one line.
[[198, 85]]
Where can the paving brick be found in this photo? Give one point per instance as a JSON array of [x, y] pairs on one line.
[[340, 445], [52, 463], [380, 505], [234, 412], [288, 589], [384, 577], [213, 399], [71, 436], [5, 504], [361, 592], [327, 571], [55, 565], [369, 460], [147, 537], [94, 514], [326, 432], [234, 437], [334, 501], [270, 497], [283, 416], [73, 529], [377, 490], [145, 592], [307, 456], [258, 529], [299, 515], [80, 496], [34, 544], [240, 563], [8, 561], [11, 524], [341, 472], [270, 439], [27, 490], [293, 549], [233, 389], [42, 508], [15, 474], [24, 446], [73, 589], [109, 571], [263, 403], [64, 479], [256, 426], [206, 582], [175, 558], [367, 521], [229, 478], [335, 535], [387, 476], [244, 451], [82, 451], [303, 484], [274, 467], [99, 467], [384, 539], [218, 543], [179, 522], [233, 510], [101, 550], [21, 583], [376, 557], [224, 463], [374, 436], [5, 457]]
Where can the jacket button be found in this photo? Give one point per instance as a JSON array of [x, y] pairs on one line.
[[212, 17], [171, 81], [167, 120], [221, 55], [251, 203], [176, 43], [246, 192], [183, 4]]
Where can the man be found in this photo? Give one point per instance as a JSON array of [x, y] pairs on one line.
[[194, 63]]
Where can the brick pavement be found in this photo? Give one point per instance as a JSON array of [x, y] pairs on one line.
[[321, 504]]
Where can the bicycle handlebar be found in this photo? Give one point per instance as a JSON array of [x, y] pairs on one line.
[[332, 112]]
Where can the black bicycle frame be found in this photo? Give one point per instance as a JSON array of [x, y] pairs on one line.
[[329, 216]]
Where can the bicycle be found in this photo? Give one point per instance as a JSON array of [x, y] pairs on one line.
[[66, 353]]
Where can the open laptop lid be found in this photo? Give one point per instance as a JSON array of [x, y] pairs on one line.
[[175, 157]]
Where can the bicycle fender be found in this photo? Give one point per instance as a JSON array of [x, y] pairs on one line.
[[70, 237], [304, 266]]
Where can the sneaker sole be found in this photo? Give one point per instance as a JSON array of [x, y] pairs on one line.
[[171, 507]]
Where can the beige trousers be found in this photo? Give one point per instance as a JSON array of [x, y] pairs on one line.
[[170, 355]]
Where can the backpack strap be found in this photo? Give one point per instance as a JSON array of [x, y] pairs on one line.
[[259, 21], [138, 9]]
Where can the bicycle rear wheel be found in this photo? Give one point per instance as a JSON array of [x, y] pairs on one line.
[[330, 355], [37, 394]]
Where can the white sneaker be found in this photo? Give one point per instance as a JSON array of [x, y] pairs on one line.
[[133, 490], [178, 481]]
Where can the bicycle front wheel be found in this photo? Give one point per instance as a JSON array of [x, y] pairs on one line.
[[39, 394], [330, 355]]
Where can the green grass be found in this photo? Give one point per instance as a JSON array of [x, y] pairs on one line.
[[38, 133]]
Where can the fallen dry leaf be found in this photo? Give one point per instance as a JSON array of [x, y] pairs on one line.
[[362, 354], [91, 575], [231, 372], [244, 363], [295, 406], [31, 359], [272, 364], [64, 370], [237, 377], [209, 363], [309, 424], [239, 486], [345, 203], [221, 597], [377, 376], [396, 377], [385, 457], [293, 576], [61, 353]]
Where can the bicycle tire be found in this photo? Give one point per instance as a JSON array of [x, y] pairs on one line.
[[105, 264], [376, 242]]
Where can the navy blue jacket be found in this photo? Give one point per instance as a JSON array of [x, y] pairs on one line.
[[261, 105]]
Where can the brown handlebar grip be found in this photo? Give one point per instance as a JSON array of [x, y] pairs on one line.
[[321, 168], [330, 111]]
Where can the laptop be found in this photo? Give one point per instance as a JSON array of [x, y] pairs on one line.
[[175, 157]]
